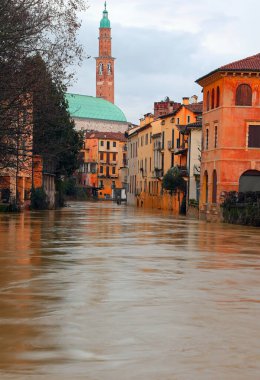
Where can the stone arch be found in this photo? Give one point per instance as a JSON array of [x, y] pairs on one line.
[[249, 181], [214, 186]]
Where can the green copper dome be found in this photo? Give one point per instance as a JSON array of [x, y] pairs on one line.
[[105, 23], [89, 107]]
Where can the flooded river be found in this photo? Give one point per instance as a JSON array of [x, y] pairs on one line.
[[107, 292]]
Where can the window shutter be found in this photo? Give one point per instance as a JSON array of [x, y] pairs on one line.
[[254, 136]]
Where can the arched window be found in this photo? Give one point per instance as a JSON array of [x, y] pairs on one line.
[[100, 68], [213, 99], [214, 187], [208, 101], [249, 181], [205, 188], [244, 95], [218, 97]]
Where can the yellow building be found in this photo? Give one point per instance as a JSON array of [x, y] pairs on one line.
[[154, 147]]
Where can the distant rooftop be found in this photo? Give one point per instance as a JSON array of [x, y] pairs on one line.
[[89, 107], [105, 135]]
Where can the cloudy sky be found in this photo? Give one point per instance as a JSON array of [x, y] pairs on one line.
[[162, 47]]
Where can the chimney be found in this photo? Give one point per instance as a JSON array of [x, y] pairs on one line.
[[186, 101]]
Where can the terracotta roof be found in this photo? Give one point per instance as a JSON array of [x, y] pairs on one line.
[[195, 107], [105, 135], [247, 64]]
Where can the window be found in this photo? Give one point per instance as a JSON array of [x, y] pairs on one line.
[[172, 120], [142, 140], [113, 170], [254, 136], [218, 97], [101, 143], [213, 99], [244, 95], [163, 138], [178, 121], [113, 184], [101, 185], [188, 119], [172, 138], [146, 139], [114, 144], [208, 101], [216, 137], [101, 156], [114, 156], [151, 137], [207, 139], [108, 145], [172, 160], [163, 122], [101, 169]]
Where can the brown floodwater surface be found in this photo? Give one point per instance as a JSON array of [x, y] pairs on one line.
[[98, 291]]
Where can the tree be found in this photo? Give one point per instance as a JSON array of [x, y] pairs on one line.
[[54, 135], [173, 181], [29, 28]]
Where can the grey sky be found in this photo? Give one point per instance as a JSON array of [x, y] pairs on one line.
[[163, 47]]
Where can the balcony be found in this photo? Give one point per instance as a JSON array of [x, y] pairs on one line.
[[181, 149]]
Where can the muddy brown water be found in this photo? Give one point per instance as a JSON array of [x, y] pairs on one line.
[[107, 292]]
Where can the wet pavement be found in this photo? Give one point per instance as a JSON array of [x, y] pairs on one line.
[[107, 292]]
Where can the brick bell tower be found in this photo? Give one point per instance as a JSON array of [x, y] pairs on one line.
[[105, 62]]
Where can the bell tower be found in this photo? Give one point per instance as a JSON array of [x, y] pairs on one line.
[[105, 62]]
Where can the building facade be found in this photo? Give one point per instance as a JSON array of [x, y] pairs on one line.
[[154, 147], [104, 166], [231, 133]]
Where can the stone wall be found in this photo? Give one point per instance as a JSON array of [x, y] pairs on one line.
[[100, 125]]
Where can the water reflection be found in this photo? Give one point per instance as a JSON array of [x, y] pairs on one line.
[[106, 292]]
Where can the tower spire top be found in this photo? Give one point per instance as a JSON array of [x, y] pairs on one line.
[[105, 23]]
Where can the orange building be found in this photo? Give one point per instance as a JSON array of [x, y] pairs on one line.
[[105, 161], [231, 133]]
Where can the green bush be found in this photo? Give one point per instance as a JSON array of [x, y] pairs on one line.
[[242, 208], [174, 181]]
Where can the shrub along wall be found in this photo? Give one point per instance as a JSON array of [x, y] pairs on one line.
[[242, 208]]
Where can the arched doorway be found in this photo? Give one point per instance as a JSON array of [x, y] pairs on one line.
[[214, 187], [249, 181], [205, 188]]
